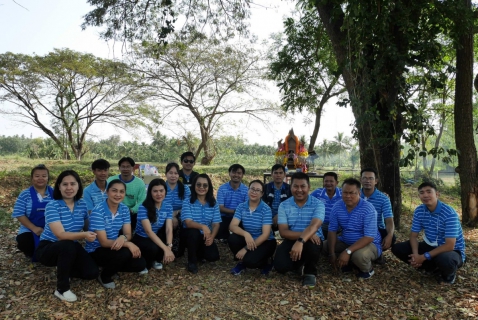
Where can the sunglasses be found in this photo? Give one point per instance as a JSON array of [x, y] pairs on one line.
[[188, 161], [203, 185]]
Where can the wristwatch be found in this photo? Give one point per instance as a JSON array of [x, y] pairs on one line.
[[125, 238], [301, 240], [169, 245], [349, 252], [427, 255]]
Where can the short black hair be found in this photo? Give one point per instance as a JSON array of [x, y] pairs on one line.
[[113, 182], [427, 184], [331, 174], [277, 166], [126, 159], [235, 167], [40, 167], [352, 182], [259, 182], [369, 170], [101, 164], [187, 154], [300, 176], [56, 191]]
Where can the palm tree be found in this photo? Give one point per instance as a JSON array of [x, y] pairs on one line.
[[341, 143]]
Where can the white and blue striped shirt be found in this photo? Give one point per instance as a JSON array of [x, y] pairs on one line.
[[252, 222], [356, 224], [230, 198], [382, 205], [173, 198], [438, 225], [93, 196], [321, 194], [165, 212], [23, 206], [201, 213], [58, 211], [298, 218], [101, 219]]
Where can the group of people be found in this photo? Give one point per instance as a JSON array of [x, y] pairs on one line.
[[130, 228]]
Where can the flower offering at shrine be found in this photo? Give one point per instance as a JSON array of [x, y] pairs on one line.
[[292, 152]]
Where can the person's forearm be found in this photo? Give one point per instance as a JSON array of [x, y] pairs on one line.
[[331, 241], [289, 234], [390, 226], [309, 232], [26, 222], [237, 230], [261, 239], [360, 243], [446, 247], [414, 244], [215, 229], [169, 234], [194, 225]]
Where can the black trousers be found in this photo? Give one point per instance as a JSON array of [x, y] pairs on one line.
[[252, 259], [26, 244], [114, 261], [150, 250], [197, 250], [309, 258], [71, 261], [223, 232], [446, 262]]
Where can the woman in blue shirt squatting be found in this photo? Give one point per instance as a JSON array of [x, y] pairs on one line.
[[177, 192], [154, 231], [29, 209], [65, 218], [112, 251], [253, 244], [201, 219]]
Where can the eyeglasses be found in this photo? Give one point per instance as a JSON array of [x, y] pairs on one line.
[[125, 168], [188, 161], [252, 190], [368, 178], [203, 185]]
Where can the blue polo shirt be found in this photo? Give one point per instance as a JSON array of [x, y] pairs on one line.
[[173, 198], [299, 218], [382, 204], [230, 198], [252, 221], [321, 194], [358, 223], [93, 196], [163, 213], [101, 220], [23, 206], [273, 196], [438, 225], [57, 210], [201, 213]]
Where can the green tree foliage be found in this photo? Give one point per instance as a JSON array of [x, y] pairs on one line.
[[154, 20], [205, 87], [305, 68], [65, 93]]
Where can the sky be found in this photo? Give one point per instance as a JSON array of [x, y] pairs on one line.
[[39, 26]]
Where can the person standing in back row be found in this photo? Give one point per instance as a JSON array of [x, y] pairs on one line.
[[186, 174], [276, 192], [135, 188]]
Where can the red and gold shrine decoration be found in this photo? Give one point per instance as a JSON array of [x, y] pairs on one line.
[[292, 152]]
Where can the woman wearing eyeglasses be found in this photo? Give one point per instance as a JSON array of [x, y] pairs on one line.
[[253, 244], [201, 219], [154, 231], [177, 192], [65, 219], [29, 209]]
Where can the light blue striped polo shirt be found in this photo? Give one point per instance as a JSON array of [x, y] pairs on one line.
[[101, 220], [230, 198], [253, 221], [438, 225], [321, 194], [358, 223], [299, 218], [23, 206], [203, 214], [173, 198], [163, 213], [57, 210], [93, 196], [382, 205]]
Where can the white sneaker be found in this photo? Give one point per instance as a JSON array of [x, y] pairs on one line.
[[157, 265], [109, 285], [145, 271], [66, 296]]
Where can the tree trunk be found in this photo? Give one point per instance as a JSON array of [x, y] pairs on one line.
[[437, 141], [424, 148], [464, 133]]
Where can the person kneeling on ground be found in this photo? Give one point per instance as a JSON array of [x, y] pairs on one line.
[[112, 252], [253, 243], [360, 242], [201, 222], [300, 219], [443, 250]]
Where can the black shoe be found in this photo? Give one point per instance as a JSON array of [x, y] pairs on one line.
[[192, 267], [381, 260], [449, 279]]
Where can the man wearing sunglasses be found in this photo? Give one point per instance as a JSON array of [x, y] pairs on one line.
[[186, 174]]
